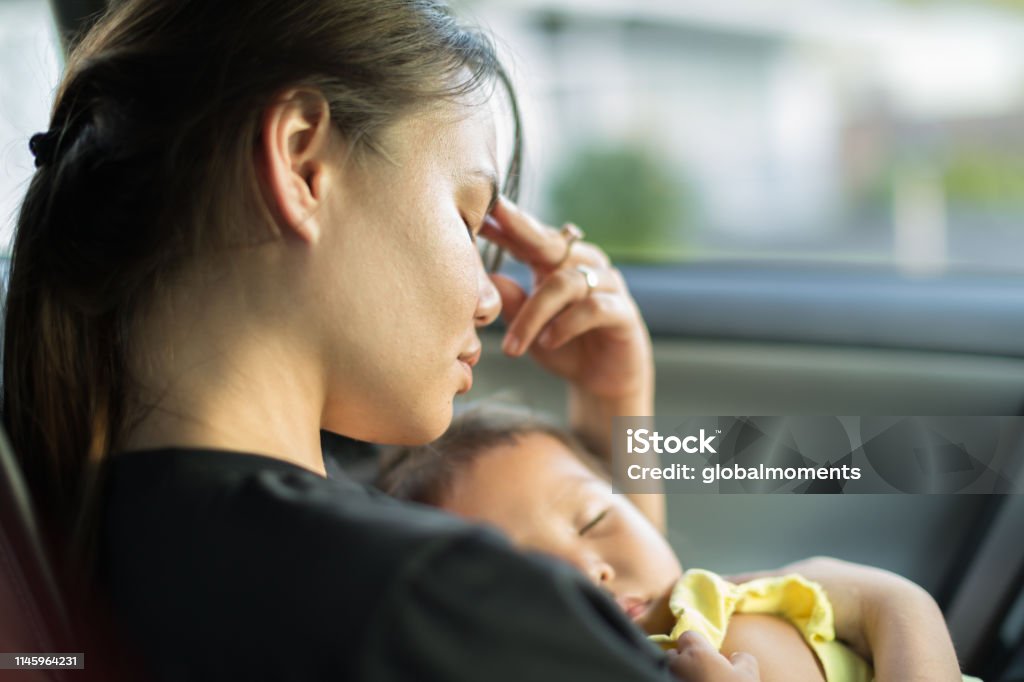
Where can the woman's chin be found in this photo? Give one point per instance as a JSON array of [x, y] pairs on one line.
[[409, 425], [430, 426]]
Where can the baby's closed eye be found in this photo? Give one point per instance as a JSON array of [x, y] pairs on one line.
[[593, 521]]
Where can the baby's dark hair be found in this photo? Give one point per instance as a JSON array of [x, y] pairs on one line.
[[426, 473]]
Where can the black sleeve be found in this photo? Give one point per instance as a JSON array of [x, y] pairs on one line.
[[474, 610]]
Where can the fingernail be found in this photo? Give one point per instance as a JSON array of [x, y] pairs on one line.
[[545, 338], [510, 345]]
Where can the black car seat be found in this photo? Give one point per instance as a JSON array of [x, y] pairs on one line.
[[33, 616]]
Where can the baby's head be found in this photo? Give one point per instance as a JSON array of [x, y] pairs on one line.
[[539, 485]]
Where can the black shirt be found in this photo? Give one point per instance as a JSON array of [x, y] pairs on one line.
[[225, 566]]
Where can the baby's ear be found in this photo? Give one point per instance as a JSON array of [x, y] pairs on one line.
[[293, 154]]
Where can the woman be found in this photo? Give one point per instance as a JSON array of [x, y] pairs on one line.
[[255, 220]]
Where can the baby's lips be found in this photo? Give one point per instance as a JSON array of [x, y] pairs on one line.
[[635, 607]]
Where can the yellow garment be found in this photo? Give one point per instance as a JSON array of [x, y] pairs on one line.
[[703, 601]]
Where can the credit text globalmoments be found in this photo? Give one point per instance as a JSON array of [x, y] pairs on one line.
[[713, 474]]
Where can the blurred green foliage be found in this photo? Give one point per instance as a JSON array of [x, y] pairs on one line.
[[626, 199], [985, 178], [978, 178]]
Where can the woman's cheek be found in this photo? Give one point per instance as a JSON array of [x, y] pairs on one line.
[[465, 276]]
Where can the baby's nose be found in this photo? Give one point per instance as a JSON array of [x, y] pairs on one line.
[[602, 573]]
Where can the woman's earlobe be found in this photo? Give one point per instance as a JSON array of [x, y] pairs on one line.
[[308, 230], [313, 179], [316, 180], [299, 204]]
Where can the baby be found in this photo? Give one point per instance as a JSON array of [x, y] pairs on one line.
[[539, 485]]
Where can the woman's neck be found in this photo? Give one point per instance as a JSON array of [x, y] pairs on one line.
[[226, 372]]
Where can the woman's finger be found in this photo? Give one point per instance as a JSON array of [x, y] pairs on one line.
[[541, 247], [581, 252], [555, 293], [512, 296], [528, 240], [599, 309]]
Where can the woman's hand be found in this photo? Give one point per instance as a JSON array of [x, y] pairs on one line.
[[585, 328], [592, 336], [885, 618], [695, 660]]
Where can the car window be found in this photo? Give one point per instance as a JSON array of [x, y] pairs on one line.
[[30, 64], [883, 132]]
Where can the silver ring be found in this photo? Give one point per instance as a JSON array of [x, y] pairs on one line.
[[589, 276]]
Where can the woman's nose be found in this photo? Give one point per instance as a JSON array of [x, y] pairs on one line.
[[488, 302]]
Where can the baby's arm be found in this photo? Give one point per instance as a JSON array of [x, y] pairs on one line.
[[883, 617], [782, 654]]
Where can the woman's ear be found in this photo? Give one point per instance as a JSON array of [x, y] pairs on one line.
[[292, 154]]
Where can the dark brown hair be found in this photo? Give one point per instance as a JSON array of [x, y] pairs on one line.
[[426, 473], [148, 165]]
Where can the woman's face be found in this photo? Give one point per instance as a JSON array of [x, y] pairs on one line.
[[405, 285]]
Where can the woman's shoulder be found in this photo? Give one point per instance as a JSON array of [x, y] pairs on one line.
[[226, 499], [248, 552]]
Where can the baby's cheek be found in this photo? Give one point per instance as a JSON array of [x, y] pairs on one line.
[[650, 543], [653, 560]]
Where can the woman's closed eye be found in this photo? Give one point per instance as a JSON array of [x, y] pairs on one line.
[[475, 221], [593, 522]]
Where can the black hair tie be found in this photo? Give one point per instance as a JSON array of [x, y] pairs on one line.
[[44, 147]]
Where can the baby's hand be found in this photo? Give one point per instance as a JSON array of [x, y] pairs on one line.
[[695, 660]]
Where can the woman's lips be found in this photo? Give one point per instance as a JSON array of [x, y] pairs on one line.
[[469, 377], [468, 360], [471, 357]]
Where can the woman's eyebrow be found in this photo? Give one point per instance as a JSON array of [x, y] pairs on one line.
[[491, 178]]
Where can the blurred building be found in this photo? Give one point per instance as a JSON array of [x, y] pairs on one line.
[[824, 127]]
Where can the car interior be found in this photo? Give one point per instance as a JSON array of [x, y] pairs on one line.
[[746, 338]]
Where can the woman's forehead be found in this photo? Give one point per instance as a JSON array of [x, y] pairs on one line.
[[460, 137]]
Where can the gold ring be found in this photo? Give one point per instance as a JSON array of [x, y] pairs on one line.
[[589, 276], [572, 234]]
